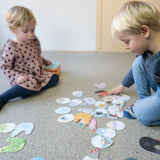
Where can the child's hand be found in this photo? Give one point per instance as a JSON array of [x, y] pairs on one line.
[[21, 79], [48, 63], [117, 90]]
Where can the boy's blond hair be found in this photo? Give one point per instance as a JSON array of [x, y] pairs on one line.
[[133, 15], [19, 15]]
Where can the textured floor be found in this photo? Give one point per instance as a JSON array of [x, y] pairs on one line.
[[66, 141]]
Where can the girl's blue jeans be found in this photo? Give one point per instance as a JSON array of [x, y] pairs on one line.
[[18, 91], [147, 108]]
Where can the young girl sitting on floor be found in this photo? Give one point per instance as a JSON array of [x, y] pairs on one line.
[[22, 62]]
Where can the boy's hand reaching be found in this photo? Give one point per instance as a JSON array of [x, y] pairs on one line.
[[21, 79], [117, 90]]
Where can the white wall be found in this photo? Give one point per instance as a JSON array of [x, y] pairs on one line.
[[61, 24]]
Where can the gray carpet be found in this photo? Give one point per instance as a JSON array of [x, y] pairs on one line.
[[66, 141]]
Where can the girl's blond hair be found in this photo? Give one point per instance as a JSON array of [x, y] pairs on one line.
[[133, 15], [18, 15]]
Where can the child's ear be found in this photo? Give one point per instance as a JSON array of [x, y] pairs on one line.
[[146, 31]]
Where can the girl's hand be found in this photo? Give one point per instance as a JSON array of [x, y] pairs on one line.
[[117, 90], [21, 79], [48, 63]]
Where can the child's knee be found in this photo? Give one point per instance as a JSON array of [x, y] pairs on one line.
[[144, 121], [140, 113], [54, 80], [142, 118], [144, 112], [56, 77]]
